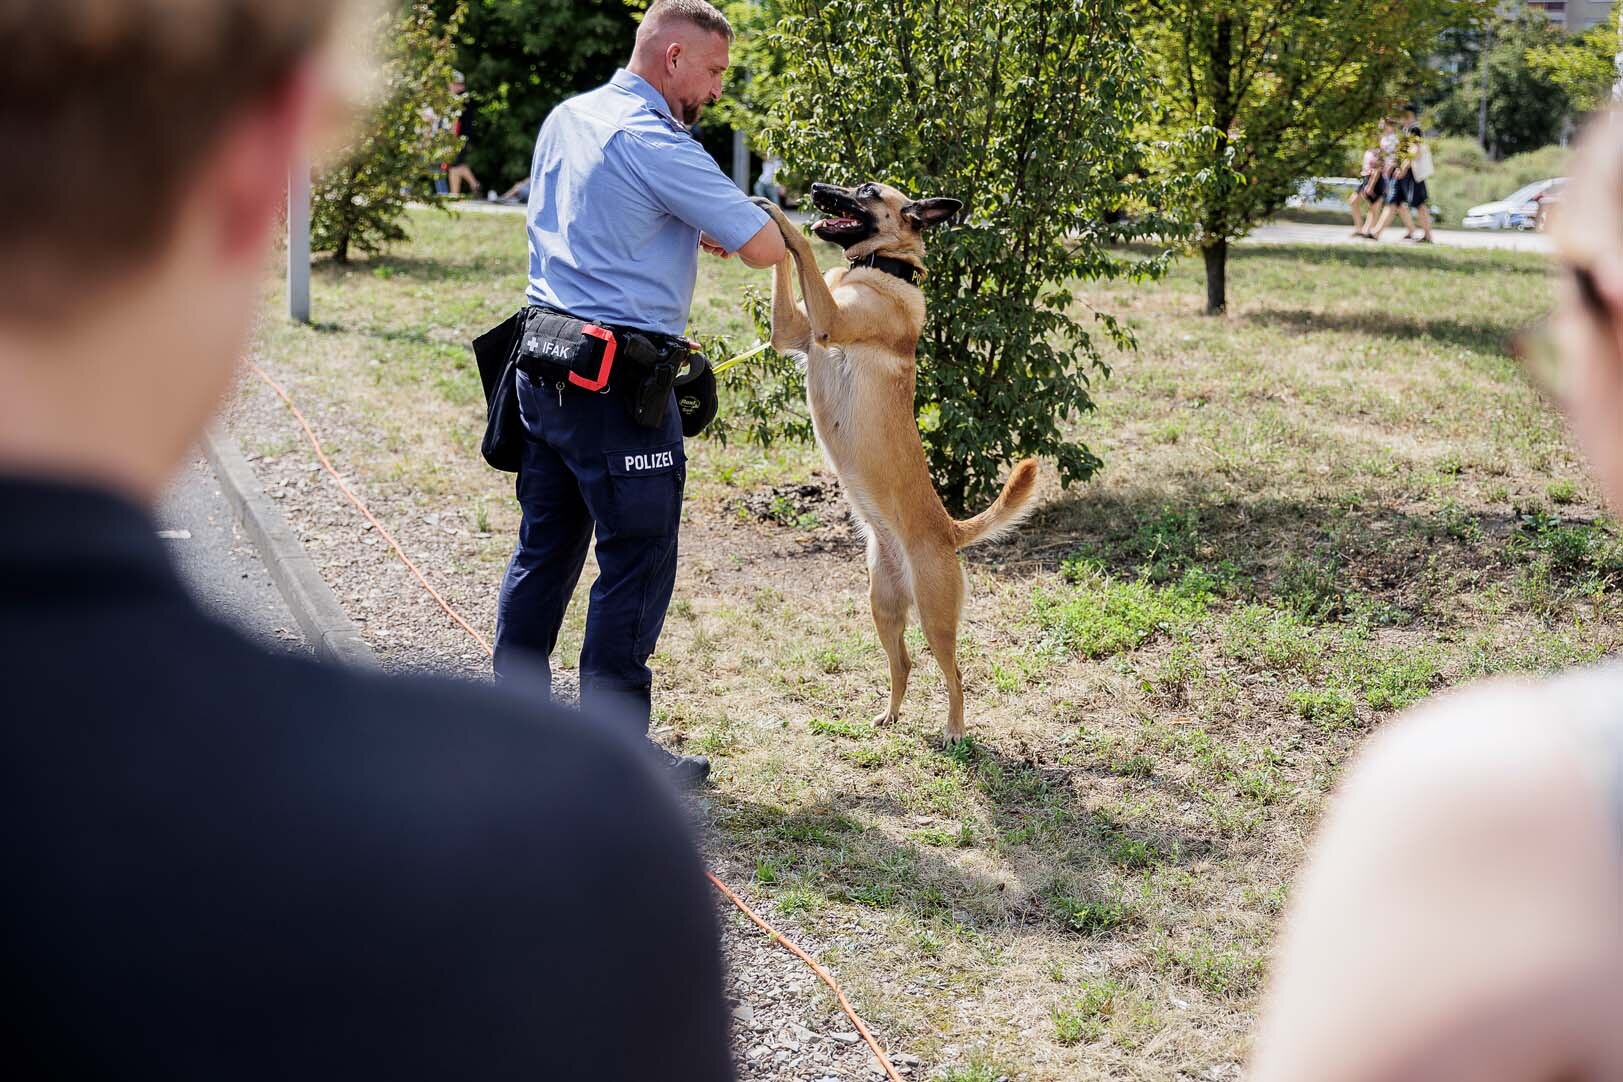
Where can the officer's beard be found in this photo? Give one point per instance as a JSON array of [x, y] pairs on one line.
[[691, 111]]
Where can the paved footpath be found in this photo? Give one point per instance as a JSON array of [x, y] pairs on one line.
[[219, 564], [1312, 233], [1273, 233]]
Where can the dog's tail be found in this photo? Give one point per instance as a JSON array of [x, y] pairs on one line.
[[1011, 507]]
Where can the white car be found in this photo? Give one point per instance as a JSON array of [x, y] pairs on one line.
[[1323, 193], [1517, 210]]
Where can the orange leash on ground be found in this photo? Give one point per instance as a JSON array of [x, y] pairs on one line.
[[361, 507], [811, 963], [777, 937]]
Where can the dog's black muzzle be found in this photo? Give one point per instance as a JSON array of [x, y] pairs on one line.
[[848, 221], [831, 200]]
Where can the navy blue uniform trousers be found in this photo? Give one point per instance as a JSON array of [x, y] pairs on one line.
[[587, 465]]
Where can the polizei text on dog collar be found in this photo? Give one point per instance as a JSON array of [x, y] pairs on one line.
[[657, 460]]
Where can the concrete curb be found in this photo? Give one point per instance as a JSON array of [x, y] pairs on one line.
[[322, 620]]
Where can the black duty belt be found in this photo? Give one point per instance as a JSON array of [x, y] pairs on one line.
[[594, 356], [590, 356]]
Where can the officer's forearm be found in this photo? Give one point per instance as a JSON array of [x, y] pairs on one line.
[[765, 249]]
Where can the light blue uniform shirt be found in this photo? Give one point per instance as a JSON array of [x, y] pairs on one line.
[[619, 191]]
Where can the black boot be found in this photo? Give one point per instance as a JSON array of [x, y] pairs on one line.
[[684, 771]]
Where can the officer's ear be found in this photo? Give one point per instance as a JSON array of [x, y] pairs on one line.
[[672, 51]]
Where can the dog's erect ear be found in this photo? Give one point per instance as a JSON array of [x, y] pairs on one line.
[[927, 212]]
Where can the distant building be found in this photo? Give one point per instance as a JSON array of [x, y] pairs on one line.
[[1575, 16]]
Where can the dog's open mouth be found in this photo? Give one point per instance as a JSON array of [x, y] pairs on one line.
[[848, 221], [831, 226]]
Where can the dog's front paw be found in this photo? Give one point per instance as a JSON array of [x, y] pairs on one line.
[[774, 212]]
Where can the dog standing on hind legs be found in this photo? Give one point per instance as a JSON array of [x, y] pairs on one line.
[[858, 329]]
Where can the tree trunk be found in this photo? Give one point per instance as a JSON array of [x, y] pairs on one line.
[[1216, 255], [1219, 88]]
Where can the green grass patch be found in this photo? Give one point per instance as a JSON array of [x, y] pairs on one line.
[[1331, 707], [980, 1068], [1219, 971], [851, 730], [1088, 916], [1084, 1018], [1399, 679], [1101, 615]]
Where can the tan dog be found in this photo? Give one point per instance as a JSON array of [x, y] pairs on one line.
[[859, 330]]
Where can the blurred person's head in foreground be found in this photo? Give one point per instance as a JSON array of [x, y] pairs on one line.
[[1461, 916], [159, 135], [1580, 361]]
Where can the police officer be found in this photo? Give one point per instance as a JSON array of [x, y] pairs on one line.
[[622, 198]]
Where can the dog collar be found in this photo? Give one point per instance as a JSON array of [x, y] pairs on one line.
[[898, 268]]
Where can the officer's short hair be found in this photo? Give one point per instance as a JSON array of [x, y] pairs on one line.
[[106, 107], [698, 12]]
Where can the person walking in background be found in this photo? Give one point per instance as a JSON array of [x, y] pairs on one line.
[[766, 185], [1421, 169], [1461, 916], [1407, 190], [1365, 199], [220, 862], [459, 174], [1385, 182]]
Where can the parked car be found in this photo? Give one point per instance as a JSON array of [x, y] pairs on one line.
[[1518, 210], [1322, 193]]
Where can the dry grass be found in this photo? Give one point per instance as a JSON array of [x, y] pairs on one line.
[[1317, 510]]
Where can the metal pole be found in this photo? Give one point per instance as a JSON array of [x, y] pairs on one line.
[[741, 161], [298, 241]]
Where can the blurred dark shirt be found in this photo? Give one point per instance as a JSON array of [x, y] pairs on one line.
[[224, 864]]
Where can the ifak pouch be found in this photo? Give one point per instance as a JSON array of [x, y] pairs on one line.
[[560, 348]]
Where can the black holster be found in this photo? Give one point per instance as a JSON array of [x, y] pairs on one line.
[[496, 354]]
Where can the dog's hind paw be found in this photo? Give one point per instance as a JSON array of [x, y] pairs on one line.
[[884, 718]]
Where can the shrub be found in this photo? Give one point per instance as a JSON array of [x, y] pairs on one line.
[[1025, 110], [358, 204], [521, 58]]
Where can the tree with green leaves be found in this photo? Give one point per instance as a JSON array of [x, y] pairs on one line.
[[359, 204], [1527, 106], [521, 58], [1582, 67], [1283, 84], [1025, 111]]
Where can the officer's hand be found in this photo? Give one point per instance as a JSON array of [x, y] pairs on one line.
[[709, 244]]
